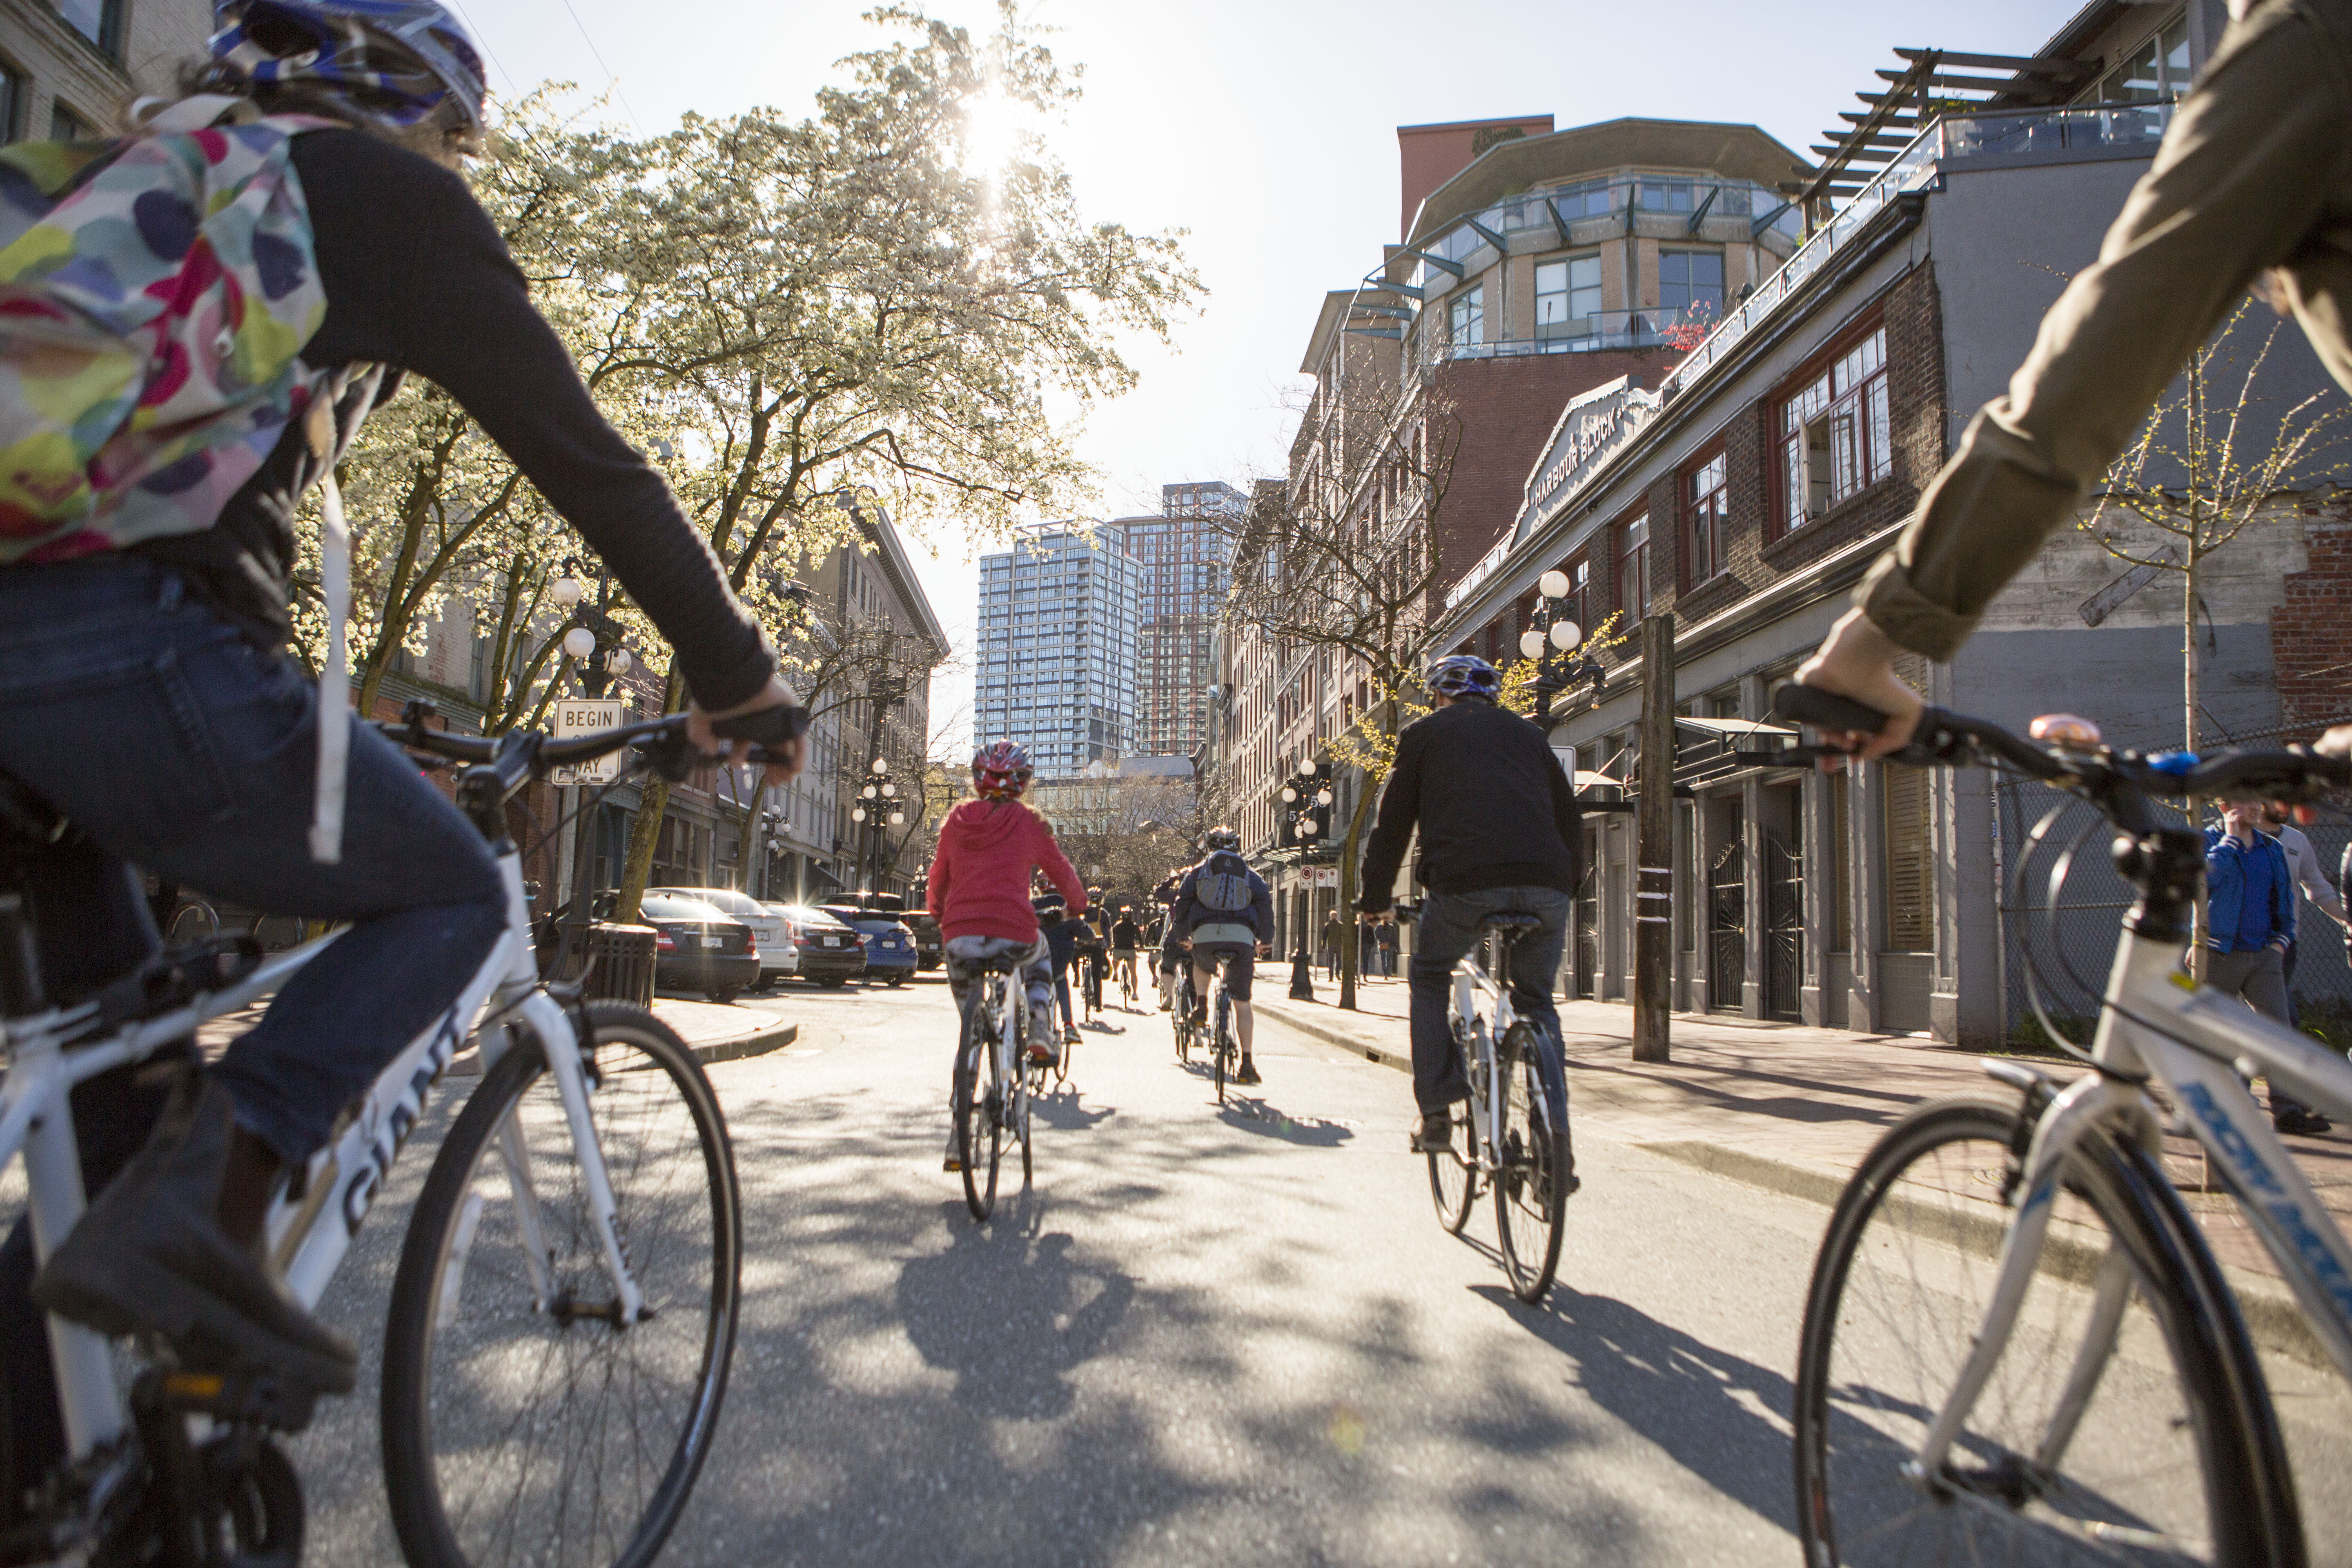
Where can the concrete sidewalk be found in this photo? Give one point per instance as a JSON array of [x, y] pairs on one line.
[[1796, 1109], [716, 1033]]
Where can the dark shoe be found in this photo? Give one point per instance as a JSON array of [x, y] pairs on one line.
[[1435, 1134], [1248, 1073], [1044, 1054], [2303, 1124], [151, 1255]]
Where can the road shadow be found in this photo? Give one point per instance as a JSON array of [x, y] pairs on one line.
[[1720, 1416], [1064, 1111], [1010, 1314], [1255, 1115]]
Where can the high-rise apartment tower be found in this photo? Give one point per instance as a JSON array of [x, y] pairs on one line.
[[1182, 554], [1057, 620]]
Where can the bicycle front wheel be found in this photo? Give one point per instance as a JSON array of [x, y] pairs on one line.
[[523, 1423], [980, 1132], [1531, 1174], [1453, 1181], [2096, 1438]]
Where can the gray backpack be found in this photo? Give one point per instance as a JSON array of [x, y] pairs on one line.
[[1224, 884]]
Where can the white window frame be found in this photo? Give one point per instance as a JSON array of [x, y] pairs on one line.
[[1466, 317], [1558, 313]]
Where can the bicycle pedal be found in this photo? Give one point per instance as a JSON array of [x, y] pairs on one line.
[[259, 1398]]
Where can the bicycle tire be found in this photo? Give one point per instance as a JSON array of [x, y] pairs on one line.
[[976, 1105], [1032, 1081], [1936, 1181], [194, 921], [465, 1325], [1531, 1162], [1217, 1040], [1453, 1178]]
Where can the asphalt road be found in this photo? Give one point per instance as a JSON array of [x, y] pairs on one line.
[[1208, 1336]]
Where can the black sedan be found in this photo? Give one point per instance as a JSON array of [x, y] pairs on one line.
[[697, 947], [830, 952]]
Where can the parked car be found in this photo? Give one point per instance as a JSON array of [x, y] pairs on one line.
[[829, 952], [777, 958], [928, 943], [890, 951], [700, 948]]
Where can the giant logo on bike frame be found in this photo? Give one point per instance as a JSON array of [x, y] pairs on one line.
[[383, 1133]]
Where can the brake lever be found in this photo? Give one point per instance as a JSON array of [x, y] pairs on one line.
[[670, 754], [768, 727]]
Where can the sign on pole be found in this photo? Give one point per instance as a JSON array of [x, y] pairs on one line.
[[578, 717]]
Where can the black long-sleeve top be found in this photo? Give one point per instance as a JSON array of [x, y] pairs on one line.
[[418, 279], [1495, 808]]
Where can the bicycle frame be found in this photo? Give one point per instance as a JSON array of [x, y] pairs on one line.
[[310, 1227], [1478, 997], [2188, 1039]]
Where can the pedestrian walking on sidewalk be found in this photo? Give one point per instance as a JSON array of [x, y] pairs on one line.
[[2250, 924], [2310, 883], [1499, 829], [1335, 932]]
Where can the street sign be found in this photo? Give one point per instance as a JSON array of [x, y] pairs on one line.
[[575, 717], [1324, 879]]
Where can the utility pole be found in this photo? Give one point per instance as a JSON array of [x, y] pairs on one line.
[[1654, 818]]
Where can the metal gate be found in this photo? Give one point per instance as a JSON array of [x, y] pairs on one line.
[[1784, 929], [1727, 888]]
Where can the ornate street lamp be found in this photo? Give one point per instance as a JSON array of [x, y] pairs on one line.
[[1550, 641]]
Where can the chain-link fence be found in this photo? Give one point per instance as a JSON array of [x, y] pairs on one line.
[[2061, 921]]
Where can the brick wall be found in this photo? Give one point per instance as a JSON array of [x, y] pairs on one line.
[[1507, 409], [2311, 633]]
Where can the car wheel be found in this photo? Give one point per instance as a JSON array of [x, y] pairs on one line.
[[897, 979], [723, 995], [833, 983]]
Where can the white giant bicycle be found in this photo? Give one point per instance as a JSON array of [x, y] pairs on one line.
[[2017, 1347], [564, 1311]]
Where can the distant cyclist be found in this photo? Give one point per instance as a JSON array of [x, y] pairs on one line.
[[1497, 819], [150, 699], [2251, 189], [1224, 911], [1061, 936], [1125, 941], [989, 846], [1171, 941], [1091, 950]]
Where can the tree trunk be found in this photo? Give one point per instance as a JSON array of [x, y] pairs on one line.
[[2197, 929], [1352, 941], [653, 800]]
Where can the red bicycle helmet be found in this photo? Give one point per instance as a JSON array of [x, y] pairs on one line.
[[1000, 772]]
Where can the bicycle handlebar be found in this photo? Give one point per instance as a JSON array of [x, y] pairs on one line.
[[664, 740], [1944, 739]]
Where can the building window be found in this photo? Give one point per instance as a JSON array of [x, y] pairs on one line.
[[1633, 569], [2155, 71], [99, 21], [1466, 317], [1836, 434], [1690, 278], [1568, 296], [1706, 509], [13, 91], [65, 125], [1578, 606]]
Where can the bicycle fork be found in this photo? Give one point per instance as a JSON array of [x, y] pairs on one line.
[[549, 1023], [2075, 1112]]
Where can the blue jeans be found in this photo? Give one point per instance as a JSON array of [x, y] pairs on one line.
[[174, 744], [1447, 931]]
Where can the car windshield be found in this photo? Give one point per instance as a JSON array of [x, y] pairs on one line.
[[670, 908], [722, 899], [802, 914]]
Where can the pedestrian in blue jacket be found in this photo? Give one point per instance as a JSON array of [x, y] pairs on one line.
[[2250, 923]]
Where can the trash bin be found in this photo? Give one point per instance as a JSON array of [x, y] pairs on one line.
[[619, 963]]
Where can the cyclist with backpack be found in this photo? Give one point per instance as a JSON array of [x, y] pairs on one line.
[[201, 314], [1498, 832], [1092, 949], [1225, 909], [1125, 939]]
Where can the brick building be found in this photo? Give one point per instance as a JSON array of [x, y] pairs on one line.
[[69, 67], [1749, 493]]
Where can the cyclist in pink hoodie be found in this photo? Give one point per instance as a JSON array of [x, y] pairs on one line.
[[980, 890]]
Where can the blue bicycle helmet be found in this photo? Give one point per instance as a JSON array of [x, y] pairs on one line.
[[1466, 675], [398, 60]]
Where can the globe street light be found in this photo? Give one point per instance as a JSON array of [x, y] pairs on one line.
[[1551, 640]]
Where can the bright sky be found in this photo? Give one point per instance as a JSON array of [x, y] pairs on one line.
[[1267, 129]]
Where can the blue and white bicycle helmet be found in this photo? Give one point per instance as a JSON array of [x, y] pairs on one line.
[[1219, 837], [1466, 675], [396, 61]]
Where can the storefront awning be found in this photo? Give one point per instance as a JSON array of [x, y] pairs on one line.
[[1716, 752]]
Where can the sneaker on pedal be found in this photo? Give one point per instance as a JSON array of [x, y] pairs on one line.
[[2303, 1124], [1247, 1072], [1070, 1036], [151, 1256], [1435, 1133]]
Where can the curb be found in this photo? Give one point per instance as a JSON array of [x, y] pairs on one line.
[[2274, 1320], [757, 1044]]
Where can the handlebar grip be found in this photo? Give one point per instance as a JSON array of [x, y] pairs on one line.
[[1825, 710], [768, 727]]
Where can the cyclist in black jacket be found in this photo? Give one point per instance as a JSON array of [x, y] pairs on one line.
[[1499, 831]]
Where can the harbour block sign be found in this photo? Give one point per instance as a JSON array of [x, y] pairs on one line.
[[576, 718], [1590, 427]]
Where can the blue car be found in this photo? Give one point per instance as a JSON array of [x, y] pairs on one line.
[[891, 954]]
